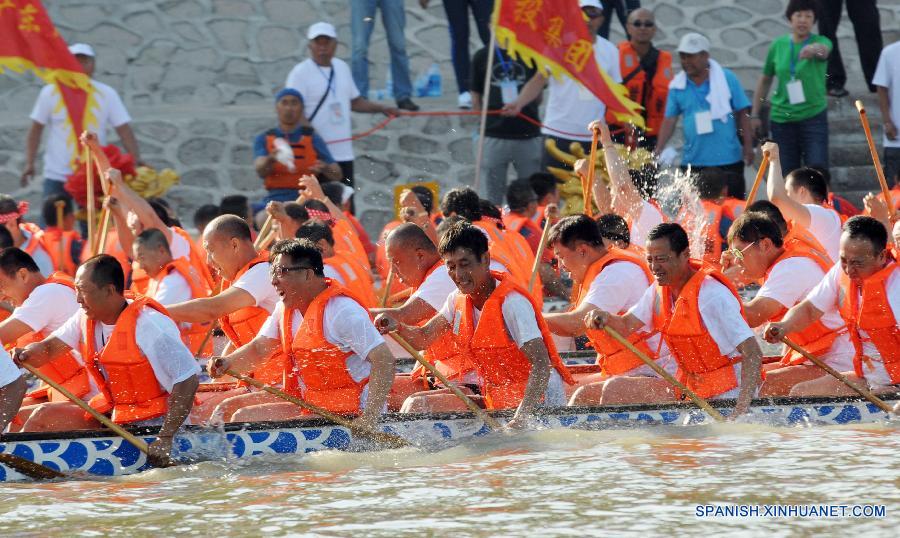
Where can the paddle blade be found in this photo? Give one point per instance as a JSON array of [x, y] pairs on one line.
[[30, 468]]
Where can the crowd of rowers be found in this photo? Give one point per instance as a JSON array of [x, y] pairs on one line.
[[300, 310]]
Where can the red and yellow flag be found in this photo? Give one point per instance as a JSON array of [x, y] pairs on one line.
[[30, 42], [552, 36]]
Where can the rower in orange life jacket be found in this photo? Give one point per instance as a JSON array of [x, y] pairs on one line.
[[867, 297], [717, 217], [496, 323], [132, 352], [334, 357], [699, 314], [25, 235], [59, 239], [339, 266]]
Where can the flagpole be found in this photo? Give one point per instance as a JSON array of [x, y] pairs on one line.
[[485, 97]]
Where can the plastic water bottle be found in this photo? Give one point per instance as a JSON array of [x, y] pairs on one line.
[[420, 86], [433, 88]]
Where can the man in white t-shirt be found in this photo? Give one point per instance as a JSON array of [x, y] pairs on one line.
[[887, 82], [569, 103], [48, 111], [863, 290], [789, 270], [337, 360], [513, 355], [803, 197], [152, 384], [329, 94], [684, 292]]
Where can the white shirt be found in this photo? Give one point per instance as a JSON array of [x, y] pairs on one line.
[[720, 313], [40, 255], [570, 106], [173, 289], [179, 246], [47, 308], [49, 111], [346, 324], [257, 283], [825, 298], [9, 372], [435, 289], [825, 225], [331, 273], [649, 218], [887, 75], [332, 122], [157, 337], [518, 317]]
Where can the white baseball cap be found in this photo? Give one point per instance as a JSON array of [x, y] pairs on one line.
[[321, 29], [693, 43], [590, 3], [82, 49]]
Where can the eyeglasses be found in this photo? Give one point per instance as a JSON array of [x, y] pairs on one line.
[[279, 271], [643, 24], [739, 253]]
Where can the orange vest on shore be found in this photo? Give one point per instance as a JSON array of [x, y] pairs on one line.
[[700, 365], [194, 335], [355, 280], [242, 325], [651, 94], [503, 368], [55, 239], [816, 337], [613, 358], [320, 364], [872, 313], [64, 369], [130, 388], [305, 157]]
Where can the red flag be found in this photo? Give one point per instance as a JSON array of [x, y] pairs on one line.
[[31, 42], [552, 36]]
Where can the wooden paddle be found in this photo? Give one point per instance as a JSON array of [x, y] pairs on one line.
[[588, 183], [29, 468], [479, 412], [60, 209], [865, 393], [763, 166], [91, 210], [140, 444], [885, 190], [703, 404], [389, 439], [386, 293], [99, 160], [542, 246]]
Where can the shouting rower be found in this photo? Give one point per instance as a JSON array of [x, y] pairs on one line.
[[698, 312]]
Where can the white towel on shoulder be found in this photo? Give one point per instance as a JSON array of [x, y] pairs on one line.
[[719, 97]]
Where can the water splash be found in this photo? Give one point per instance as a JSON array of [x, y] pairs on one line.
[[680, 201]]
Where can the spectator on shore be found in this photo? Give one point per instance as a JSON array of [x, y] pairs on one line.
[[508, 140], [646, 73], [309, 153], [458, 23], [326, 86], [799, 115], [867, 28], [569, 103], [715, 109], [362, 22], [623, 9], [887, 82], [48, 111]]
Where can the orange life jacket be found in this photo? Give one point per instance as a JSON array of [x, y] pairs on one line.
[[701, 367], [734, 207], [197, 261], [305, 158], [650, 94], [872, 313], [355, 280], [346, 241], [360, 233], [515, 223], [242, 325], [513, 252], [502, 367], [36, 240], [65, 369], [194, 335], [443, 352], [895, 196], [713, 240], [56, 240], [140, 280], [613, 358], [130, 388], [320, 364], [816, 337]]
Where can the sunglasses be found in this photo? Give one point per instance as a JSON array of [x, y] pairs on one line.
[[592, 13], [280, 270], [643, 24], [739, 253]]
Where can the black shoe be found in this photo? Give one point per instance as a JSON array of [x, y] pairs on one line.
[[407, 104], [838, 92]]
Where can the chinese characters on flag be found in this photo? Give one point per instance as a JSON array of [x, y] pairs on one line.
[[553, 36]]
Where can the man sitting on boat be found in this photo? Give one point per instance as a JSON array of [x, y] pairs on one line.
[[864, 290], [612, 280], [42, 306], [496, 323], [135, 356], [789, 270], [334, 356], [698, 312]]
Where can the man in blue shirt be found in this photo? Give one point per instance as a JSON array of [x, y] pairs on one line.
[[305, 152], [716, 114]]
